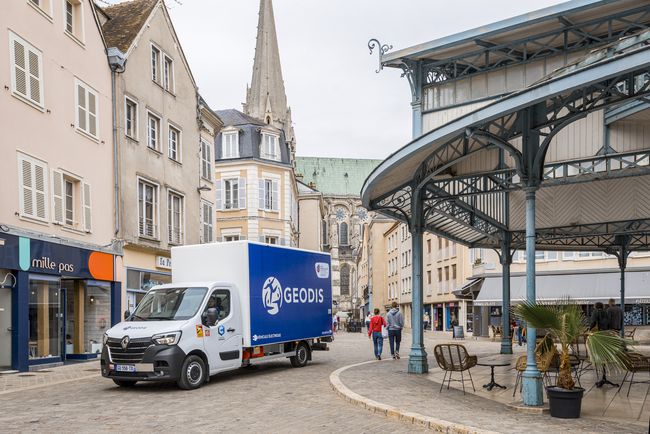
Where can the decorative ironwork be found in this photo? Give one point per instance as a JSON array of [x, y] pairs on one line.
[[383, 49]]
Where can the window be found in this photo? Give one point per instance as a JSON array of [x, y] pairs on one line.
[[206, 160], [73, 19], [220, 300], [231, 194], [325, 233], [155, 64], [175, 218], [230, 145], [86, 109], [130, 118], [174, 144], [428, 246], [153, 132], [429, 277], [69, 202], [345, 280], [33, 187], [43, 6], [147, 209], [207, 217], [230, 238], [270, 239], [343, 234], [26, 70], [269, 195], [270, 147], [68, 15], [168, 74], [71, 198]]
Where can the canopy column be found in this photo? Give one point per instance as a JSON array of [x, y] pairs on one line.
[[418, 358], [506, 259]]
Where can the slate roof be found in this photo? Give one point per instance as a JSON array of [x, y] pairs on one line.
[[232, 117], [335, 176], [126, 20]]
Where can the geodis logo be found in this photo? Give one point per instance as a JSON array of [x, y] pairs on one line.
[[273, 295]]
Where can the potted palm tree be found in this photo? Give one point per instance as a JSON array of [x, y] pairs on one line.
[[565, 323]]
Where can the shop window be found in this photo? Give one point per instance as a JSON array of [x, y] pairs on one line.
[[44, 318], [139, 282]]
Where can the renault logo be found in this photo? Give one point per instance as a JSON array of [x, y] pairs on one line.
[[125, 342]]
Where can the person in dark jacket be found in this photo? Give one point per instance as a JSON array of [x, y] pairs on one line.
[[599, 318], [615, 316], [395, 324]]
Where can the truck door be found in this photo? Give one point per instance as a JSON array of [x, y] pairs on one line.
[[223, 341]]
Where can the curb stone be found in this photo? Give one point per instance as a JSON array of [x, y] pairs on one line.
[[396, 413]]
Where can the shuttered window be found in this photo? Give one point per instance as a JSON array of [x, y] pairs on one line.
[[86, 109], [206, 160], [206, 222], [231, 194], [26, 70], [33, 182], [269, 195], [86, 206]]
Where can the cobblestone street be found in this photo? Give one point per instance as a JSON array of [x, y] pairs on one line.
[[272, 397]]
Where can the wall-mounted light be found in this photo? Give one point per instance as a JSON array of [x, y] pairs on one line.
[[91, 300], [203, 188]]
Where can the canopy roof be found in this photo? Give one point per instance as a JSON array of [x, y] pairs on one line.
[[472, 170]]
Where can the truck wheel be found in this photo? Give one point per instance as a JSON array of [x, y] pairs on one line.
[[302, 356], [192, 373], [125, 383]]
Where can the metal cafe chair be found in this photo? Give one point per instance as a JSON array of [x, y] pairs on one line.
[[635, 363], [454, 358]]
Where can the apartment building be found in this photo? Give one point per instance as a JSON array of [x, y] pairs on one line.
[[58, 289], [160, 148]]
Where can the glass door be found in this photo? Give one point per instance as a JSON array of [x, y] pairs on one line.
[[45, 317], [5, 328]]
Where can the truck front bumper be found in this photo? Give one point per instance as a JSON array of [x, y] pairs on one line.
[[159, 363]]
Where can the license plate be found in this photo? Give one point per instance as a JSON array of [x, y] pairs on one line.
[[125, 368]]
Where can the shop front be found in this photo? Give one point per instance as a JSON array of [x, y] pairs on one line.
[[144, 270], [59, 299]]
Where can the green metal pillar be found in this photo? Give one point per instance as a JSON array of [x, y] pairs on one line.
[[418, 357]]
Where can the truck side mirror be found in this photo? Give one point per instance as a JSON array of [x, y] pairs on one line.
[[212, 316], [127, 314]]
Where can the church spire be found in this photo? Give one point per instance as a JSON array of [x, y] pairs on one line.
[[266, 98]]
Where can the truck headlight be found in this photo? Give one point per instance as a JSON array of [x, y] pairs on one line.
[[105, 339], [167, 338]]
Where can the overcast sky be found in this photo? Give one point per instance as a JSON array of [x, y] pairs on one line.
[[340, 107]]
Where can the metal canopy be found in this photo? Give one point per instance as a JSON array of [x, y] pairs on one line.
[[477, 207], [566, 28]]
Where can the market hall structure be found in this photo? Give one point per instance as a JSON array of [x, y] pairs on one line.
[[527, 134]]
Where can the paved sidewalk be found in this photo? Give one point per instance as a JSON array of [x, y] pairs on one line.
[[388, 383], [46, 377]]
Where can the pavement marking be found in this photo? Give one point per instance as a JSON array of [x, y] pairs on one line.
[[53, 383], [394, 412]]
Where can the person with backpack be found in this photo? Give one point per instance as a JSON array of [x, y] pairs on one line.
[[395, 321], [374, 332]]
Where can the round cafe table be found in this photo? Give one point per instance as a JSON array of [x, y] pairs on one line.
[[492, 363]]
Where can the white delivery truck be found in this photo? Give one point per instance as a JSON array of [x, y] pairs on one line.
[[229, 305]]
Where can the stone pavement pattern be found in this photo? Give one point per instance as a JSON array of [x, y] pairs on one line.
[[272, 397]]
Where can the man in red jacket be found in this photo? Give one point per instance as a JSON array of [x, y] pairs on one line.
[[374, 332]]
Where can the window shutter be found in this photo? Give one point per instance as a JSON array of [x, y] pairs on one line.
[[92, 114], [81, 108], [57, 196], [34, 77], [219, 200], [86, 204], [40, 191], [276, 196], [20, 70], [261, 238], [262, 194], [242, 193], [27, 188]]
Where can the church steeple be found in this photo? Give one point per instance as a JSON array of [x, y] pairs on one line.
[[265, 97]]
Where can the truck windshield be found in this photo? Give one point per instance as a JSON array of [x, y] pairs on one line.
[[167, 304]]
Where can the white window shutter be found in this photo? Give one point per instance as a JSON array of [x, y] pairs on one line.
[[27, 188], [57, 196], [81, 108], [35, 80], [219, 199], [86, 205], [40, 191], [262, 194], [242, 193], [276, 196], [262, 238], [92, 114], [20, 69]]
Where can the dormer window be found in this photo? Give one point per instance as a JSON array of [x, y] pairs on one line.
[[270, 150], [230, 144]]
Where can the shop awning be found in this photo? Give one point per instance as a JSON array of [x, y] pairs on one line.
[[468, 290], [583, 288]]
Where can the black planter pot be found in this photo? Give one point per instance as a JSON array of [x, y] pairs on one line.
[[565, 403]]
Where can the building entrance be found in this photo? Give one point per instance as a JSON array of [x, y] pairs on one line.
[[5, 328]]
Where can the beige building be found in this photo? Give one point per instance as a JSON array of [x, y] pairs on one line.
[[158, 144], [56, 222], [370, 289], [311, 209]]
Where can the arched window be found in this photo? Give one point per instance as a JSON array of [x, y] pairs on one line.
[[345, 280], [343, 234]]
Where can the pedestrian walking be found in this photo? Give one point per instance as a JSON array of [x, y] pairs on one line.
[[614, 316], [518, 333], [374, 333], [599, 319], [426, 320], [368, 317], [334, 323], [395, 324]]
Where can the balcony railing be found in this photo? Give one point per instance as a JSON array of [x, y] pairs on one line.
[[147, 228], [175, 235]]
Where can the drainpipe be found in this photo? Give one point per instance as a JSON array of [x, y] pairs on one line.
[[116, 61]]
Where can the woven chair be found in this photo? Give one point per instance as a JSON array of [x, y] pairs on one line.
[[454, 358], [579, 350], [629, 334], [635, 363], [543, 360]]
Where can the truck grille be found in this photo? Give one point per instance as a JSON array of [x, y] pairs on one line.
[[133, 352]]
